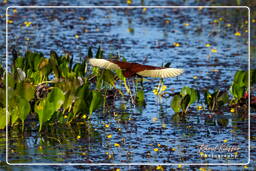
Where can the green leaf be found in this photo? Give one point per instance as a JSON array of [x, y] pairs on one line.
[[48, 106], [96, 101], [185, 103], [185, 91], [3, 118], [176, 103], [140, 97], [25, 90]]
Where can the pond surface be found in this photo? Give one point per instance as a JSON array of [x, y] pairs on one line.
[[192, 39]]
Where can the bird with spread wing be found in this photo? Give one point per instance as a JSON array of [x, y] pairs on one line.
[[131, 69]]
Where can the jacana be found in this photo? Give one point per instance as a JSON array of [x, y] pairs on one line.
[[130, 69]]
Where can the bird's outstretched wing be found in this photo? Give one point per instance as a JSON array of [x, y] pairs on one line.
[[102, 63], [161, 73]]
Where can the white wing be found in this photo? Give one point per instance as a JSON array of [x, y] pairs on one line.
[[102, 63], [161, 73]]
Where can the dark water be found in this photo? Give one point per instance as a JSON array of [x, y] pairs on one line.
[[133, 135]]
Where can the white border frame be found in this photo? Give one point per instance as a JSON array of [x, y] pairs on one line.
[[130, 164]]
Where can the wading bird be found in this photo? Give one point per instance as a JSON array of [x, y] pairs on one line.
[[131, 69]]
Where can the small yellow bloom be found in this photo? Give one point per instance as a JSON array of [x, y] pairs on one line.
[[27, 38], [202, 169], [215, 21], [176, 44], [246, 31], [156, 149], [27, 24], [155, 91], [106, 125], [228, 25], [179, 166], [84, 154], [195, 77], [144, 9], [109, 136], [236, 153], [214, 50], [246, 167], [10, 21], [129, 2], [205, 155], [207, 45], [14, 10], [159, 145], [232, 110], [65, 116], [186, 24], [253, 20], [154, 119], [220, 18], [173, 149], [163, 88], [225, 141], [84, 116], [76, 36], [117, 145], [246, 22], [201, 154], [159, 168], [40, 147], [78, 137], [164, 125], [199, 108], [117, 169], [237, 34], [5, 1]]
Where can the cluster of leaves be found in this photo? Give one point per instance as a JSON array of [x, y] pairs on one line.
[[52, 88], [216, 99]]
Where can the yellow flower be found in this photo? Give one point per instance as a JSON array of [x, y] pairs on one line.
[[65, 116], [228, 25], [236, 153], [176, 44], [186, 24], [214, 50], [201, 154], [117, 145], [195, 77], [10, 21], [207, 45], [144, 9], [83, 154], [179, 166], [5, 1], [215, 21], [164, 125], [202, 169], [106, 125], [173, 149], [225, 141], [246, 31], [84, 116], [76, 36], [232, 110], [205, 155], [40, 147], [237, 33], [159, 145], [163, 88], [220, 18], [78, 137], [155, 91], [14, 10], [253, 20], [129, 2], [246, 167], [154, 119], [199, 108], [109, 136], [117, 169], [27, 24], [156, 149], [159, 168]]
